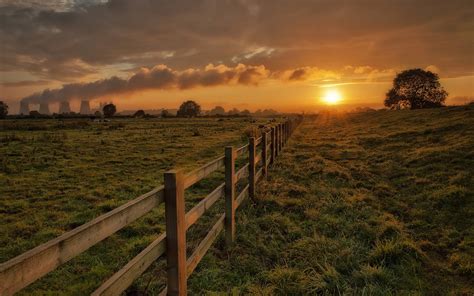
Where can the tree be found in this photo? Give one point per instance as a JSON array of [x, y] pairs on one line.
[[35, 114], [109, 110], [189, 109], [165, 113], [416, 89], [139, 114], [233, 111], [3, 109], [218, 110], [245, 112]]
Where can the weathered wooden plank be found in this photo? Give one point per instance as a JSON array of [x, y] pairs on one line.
[[272, 144], [176, 232], [164, 292], [252, 168], [242, 150], [280, 137], [198, 210], [258, 158], [290, 127], [277, 141], [242, 173], [122, 279], [258, 141], [202, 172], [205, 244], [243, 194], [26, 268], [230, 195], [264, 154], [258, 175]]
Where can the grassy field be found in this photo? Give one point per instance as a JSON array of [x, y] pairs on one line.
[[56, 175], [368, 204], [372, 203]]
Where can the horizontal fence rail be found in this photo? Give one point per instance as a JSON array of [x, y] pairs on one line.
[[28, 267], [32, 265]]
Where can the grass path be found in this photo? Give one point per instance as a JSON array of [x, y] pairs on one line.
[[369, 204]]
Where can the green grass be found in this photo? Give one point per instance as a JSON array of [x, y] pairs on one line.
[[377, 203], [57, 175], [369, 204]]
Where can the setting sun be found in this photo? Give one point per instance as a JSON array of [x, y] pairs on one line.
[[332, 97]]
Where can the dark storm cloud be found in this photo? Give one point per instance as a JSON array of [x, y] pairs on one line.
[[70, 41]]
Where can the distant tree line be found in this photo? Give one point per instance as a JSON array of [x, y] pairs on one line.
[[187, 109]]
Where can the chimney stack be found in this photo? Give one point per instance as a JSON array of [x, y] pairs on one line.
[[44, 108], [24, 108], [64, 107], [85, 107]]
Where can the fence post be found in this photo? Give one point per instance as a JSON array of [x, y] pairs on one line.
[[230, 156], [264, 154], [277, 140], [275, 151], [280, 137], [284, 133], [175, 232], [252, 167], [272, 146]]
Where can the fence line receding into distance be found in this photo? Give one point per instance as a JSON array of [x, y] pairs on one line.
[[28, 267]]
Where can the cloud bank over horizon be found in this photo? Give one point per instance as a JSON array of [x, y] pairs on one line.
[[162, 77], [159, 77]]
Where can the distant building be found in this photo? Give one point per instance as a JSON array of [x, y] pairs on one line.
[[85, 107], [44, 108], [24, 108], [64, 107]]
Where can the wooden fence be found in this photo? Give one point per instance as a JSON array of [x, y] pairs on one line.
[[28, 267]]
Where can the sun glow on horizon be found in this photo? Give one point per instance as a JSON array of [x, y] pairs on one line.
[[332, 97]]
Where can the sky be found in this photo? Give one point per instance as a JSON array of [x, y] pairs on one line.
[[248, 54]]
